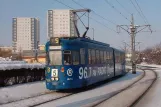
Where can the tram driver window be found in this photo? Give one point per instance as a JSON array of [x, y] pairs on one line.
[[67, 58]]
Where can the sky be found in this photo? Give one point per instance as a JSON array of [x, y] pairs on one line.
[[119, 15]]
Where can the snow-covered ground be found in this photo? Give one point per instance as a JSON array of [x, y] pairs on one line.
[[26, 91], [20, 66], [150, 65], [18, 92], [7, 64], [32, 92], [153, 96]]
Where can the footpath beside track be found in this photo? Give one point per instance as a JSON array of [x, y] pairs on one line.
[[132, 94]]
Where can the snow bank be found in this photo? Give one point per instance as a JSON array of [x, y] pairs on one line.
[[20, 66], [150, 65]]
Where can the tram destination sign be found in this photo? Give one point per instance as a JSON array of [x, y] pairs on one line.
[[54, 41]]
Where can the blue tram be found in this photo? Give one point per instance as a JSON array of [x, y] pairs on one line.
[[78, 62]]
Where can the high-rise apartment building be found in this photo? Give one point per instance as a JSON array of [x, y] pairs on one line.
[[25, 34], [60, 23]]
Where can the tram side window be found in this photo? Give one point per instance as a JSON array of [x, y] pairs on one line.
[[67, 57], [97, 57], [75, 55], [116, 57], [108, 57], [105, 61], [93, 56], [101, 57], [82, 55], [89, 56], [119, 55]]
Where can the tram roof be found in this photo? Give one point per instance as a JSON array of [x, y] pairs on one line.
[[86, 40]]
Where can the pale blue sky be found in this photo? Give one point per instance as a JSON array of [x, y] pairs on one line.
[[38, 8]]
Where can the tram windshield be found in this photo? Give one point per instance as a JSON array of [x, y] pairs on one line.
[[67, 57], [55, 57]]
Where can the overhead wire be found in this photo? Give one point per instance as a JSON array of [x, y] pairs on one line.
[[123, 7], [96, 13], [88, 16], [138, 11], [112, 6], [141, 11]]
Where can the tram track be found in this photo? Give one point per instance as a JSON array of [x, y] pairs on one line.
[[98, 104], [143, 94], [47, 97], [37, 100]]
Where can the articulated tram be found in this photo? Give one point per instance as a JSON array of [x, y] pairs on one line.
[[76, 62]]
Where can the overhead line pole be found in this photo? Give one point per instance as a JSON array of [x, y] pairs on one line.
[[132, 31]]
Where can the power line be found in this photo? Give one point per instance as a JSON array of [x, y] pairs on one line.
[[123, 7], [64, 4], [96, 13], [87, 16], [112, 6], [141, 11], [138, 11], [103, 24]]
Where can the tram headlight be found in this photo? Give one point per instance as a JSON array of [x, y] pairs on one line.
[[56, 79]]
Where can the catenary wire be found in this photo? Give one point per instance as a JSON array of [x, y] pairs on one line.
[[112, 6], [123, 7], [87, 16], [96, 13], [138, 11], [141, 11]]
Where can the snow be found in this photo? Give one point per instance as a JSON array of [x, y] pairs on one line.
[[18, 92], [12, 62], [152, 98], [127, 97], [27, 94], [7, 64], [150, 65], [20, 66], [96, 94]]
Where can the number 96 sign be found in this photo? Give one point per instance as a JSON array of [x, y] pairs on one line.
[[83, 73]]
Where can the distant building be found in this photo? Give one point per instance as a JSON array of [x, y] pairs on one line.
[[30, 56], [60, 23], [25, 34], [42, 47], [6, 48], [5, 51]]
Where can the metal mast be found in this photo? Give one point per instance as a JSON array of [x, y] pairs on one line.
[[132, 30]]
